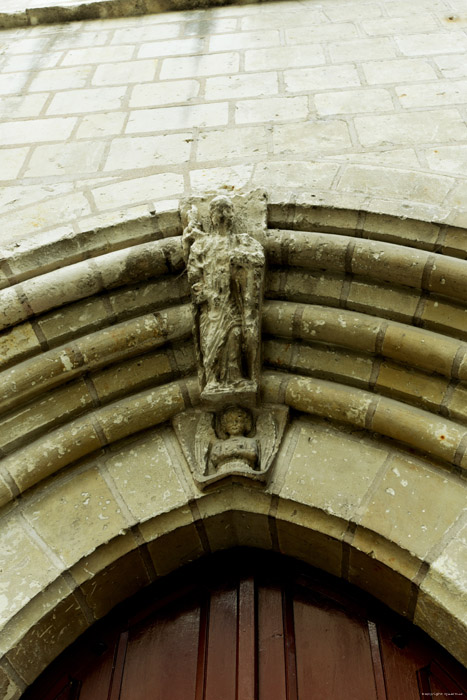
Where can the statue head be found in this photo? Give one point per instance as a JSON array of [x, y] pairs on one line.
[[221, 211], [235, 421]]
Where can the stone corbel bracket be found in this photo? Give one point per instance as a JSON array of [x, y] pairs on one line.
[[234, 441]]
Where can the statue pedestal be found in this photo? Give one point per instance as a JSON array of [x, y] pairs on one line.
[[244, 393]]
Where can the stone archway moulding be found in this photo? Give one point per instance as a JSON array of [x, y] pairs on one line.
[[363, 348]]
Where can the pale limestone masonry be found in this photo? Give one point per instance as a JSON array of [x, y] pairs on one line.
[[352, 114], [355, 98], [364, 339]]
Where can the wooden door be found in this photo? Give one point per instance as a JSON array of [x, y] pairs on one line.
[[252, 628]]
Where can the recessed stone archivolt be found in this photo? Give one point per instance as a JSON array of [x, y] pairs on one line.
[[28, 422], [117, 568], [84, 279], [59, 365], [35, 258], [403, 231], [438, 274], [286, 320], [375, 260], [441, 438], [340, 290], [409, 345], [97, 428], [81, 318], [236, 439], [373, 373]]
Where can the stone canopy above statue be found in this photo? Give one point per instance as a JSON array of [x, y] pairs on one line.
[[225, 264]]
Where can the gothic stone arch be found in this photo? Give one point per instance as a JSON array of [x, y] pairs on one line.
[[363, 350]]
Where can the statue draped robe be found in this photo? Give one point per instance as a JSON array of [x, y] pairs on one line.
[[225, 273]]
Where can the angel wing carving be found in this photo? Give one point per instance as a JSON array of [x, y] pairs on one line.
[[270, 425], [196, 433], [204, 437]]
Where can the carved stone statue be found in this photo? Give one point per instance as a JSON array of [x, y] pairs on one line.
[[226, 273], [233, 441], [235, 447]]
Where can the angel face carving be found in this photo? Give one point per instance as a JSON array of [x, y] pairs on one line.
[[235, 441], [225, 271], [234, 448], [235, 421]]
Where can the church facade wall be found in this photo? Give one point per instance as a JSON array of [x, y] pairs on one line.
[[352, 116]]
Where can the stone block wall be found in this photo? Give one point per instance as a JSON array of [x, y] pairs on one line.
[[358, 105], [331, 99]]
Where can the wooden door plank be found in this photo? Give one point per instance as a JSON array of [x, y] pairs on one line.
[[246, 641], [119, 666], [96, 679], [401, 662], [377, 661], [291, 675], [442, 682], [271, 644], [162, 656], [221, 669], [334, 659], [201, 665]]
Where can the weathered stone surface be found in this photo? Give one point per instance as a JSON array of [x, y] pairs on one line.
[[85, 316], [304, 287], [237, 517], [236, 143], [414, 387], [146, 151], [103, 557], [135, 374], [49, 453], [115, 583], [225, 268], [439, 437], [172, 540], [17, 343], [25, 424], [141, 411], [147, 479], [321, 324], [440, 606], [29, 567], [310, 536], [8, 687], [34, 612], [330, 470], [419, 348], [46, 640], [317, 361], [233, 442], [412, 492], [316, 123], [390, 302], [328, 399], [372, 568], [77, 515]]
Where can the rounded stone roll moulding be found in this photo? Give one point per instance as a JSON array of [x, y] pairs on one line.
[[99, 357]]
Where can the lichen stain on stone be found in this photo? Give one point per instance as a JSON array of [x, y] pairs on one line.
[[66, 362]]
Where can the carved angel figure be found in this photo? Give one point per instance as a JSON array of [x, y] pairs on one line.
[[233, 441], [225, 272], [231, 446]]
